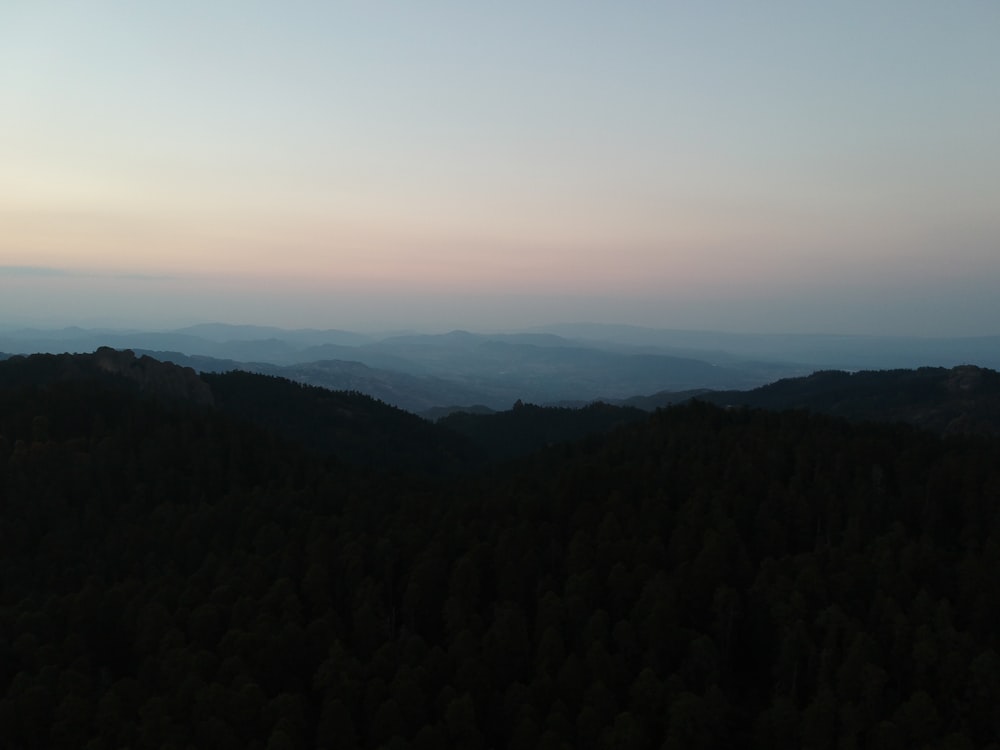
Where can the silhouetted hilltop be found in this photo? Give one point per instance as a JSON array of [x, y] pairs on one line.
[[962, 399], [149, 376]]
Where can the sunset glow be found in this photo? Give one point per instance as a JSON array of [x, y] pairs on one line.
[[431, 166]]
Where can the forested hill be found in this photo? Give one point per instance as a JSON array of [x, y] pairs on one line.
[[171, 576], [958, 400], [352, 427], [113, 368]]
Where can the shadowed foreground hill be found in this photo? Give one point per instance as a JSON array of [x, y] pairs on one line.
[[354, 427], [173, 577], [528, 428]]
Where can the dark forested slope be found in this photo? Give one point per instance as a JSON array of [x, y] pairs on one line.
[[349, 426], [354, 427], [527, 428], [120, 370], [957, 400], [173, 577]]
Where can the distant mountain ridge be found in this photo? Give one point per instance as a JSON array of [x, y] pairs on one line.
[[570, 364], [422, 371], [963, 399], [820, 351]]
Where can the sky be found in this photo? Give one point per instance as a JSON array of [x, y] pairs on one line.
[[770, 166]]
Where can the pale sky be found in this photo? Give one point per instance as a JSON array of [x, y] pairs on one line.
[[745, 166]]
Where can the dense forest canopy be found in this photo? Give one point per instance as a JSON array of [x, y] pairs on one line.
[[182, 569]]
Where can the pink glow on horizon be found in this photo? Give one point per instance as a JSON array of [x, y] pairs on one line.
[[657, 163]]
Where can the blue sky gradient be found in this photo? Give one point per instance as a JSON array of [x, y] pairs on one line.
[[779, 166]]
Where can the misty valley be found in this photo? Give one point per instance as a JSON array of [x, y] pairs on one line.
[[235, 537]]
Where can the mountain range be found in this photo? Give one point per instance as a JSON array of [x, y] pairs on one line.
[[567, 365]]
